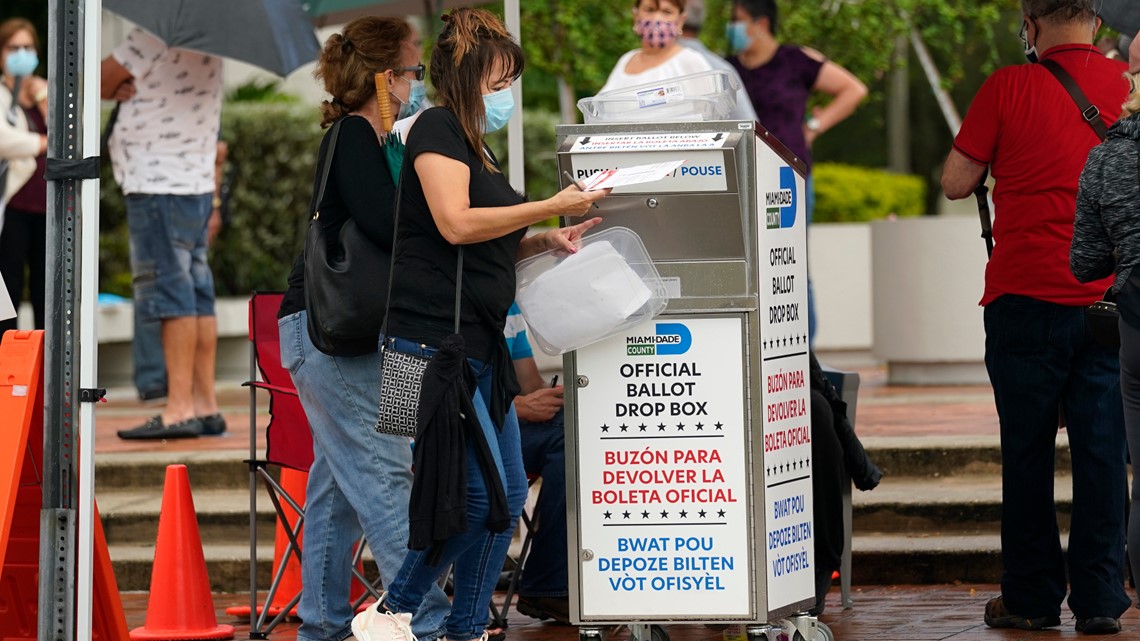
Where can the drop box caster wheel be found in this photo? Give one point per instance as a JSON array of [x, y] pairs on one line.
[[589, 634], [658, 633], [821, 633]]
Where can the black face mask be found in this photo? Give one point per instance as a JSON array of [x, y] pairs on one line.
[[1030, 51]]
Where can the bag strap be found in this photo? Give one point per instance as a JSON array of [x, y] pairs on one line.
[[1089, 112], [392, 264], [314, 212]]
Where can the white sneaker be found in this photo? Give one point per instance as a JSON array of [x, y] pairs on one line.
[[375, 624]]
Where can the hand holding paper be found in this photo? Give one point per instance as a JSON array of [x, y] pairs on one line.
[[611, 178]]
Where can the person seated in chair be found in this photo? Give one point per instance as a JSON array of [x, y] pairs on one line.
[[543, 586], [837, 454]]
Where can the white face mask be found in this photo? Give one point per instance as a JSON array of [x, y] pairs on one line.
[[1030, 51]]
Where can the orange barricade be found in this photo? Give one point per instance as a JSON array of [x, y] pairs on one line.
[[21, 499]]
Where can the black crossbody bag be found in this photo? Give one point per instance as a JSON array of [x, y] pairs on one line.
[[1102, 317]]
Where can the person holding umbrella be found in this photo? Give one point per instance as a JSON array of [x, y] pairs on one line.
[[162, 148], [23, 146], [456, 202], [360, 480]]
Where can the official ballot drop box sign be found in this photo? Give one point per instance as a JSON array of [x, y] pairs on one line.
[[689, 436]]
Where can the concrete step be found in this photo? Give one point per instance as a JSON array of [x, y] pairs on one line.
[[925, 558], [130, 517], [966, 504], [946, 456], [216, 469]]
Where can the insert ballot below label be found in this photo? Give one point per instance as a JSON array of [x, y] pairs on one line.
[[650, 142]]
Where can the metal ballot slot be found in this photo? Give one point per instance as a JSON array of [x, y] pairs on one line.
[[688, 437]]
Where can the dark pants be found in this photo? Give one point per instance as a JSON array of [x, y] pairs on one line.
[[827, 478], [1040, 357], [544, 454], [23, 243], [1130, 390]]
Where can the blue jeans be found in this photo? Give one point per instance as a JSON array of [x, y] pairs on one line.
[[478, 553], [168, 255], [1040, 357], [360, 479], [150, 360], [544, 454]]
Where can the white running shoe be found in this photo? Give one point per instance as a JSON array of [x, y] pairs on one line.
[[375, 624]]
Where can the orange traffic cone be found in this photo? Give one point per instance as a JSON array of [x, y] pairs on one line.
[[180, 605], [293, 483]]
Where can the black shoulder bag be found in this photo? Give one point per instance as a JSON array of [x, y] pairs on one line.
[[343, 307], [1102, 317]]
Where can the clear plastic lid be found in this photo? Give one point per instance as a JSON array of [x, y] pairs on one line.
[[708, 95], [570, 301]]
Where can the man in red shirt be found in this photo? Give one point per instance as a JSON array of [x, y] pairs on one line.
[[1026, 127]]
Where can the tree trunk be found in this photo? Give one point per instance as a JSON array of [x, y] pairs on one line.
[[898, 110], [567, 106]]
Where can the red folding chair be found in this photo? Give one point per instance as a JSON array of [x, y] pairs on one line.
[[289, 444]]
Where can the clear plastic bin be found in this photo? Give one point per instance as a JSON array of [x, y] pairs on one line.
[[708, 95], [570, 301]]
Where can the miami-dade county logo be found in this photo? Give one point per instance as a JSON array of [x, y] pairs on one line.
[[671, 339], [781, 205]]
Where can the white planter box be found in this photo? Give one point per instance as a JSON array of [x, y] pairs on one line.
[[929, 274], [839, 262]]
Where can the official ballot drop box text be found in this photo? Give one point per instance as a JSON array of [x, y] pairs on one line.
[[688, 437]]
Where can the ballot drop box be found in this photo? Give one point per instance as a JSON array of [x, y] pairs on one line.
[[688, 437]]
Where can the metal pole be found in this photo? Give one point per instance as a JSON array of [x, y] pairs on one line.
[[71, 32], [949, 111], [515, 154]]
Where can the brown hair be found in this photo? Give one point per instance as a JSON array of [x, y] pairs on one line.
[[468, 47], [12, 26], [351, 59], [680, 4]]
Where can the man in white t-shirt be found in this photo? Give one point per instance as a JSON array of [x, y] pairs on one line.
[[162, 148]]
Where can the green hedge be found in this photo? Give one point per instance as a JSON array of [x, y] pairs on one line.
[[847, 194], [274, 147]]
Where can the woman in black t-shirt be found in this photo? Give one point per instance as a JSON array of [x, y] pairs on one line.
[[359, 479], [454, 194]]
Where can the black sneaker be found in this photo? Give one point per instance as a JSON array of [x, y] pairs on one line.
[[1098, 625], [997, 616], [213, 425], [154, 430], [545, 607]]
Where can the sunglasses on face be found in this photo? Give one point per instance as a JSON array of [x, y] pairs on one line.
[[419, 69]]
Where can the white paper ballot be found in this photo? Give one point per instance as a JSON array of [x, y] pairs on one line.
[[7, 310], [611, 178], [583, 298]]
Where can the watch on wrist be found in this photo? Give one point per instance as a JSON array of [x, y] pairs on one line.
[[813, 124], [217, 202]]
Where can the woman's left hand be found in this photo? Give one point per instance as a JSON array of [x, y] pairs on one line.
[[565, 237]]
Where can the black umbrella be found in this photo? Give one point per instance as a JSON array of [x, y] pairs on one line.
[[275, 35], [1121, 15]]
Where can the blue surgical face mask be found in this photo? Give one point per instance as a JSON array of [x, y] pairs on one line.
[[737, 34], [416, 94], [498, 106], [22, 62]]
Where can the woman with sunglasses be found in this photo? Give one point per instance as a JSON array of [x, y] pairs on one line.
[[360, 480]]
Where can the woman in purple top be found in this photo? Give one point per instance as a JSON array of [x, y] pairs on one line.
[[779, 79]]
